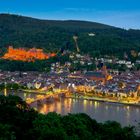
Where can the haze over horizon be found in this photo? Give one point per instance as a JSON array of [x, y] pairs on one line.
[[124, 14]]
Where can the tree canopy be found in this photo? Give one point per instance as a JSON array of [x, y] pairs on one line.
[[51, 35], [19, 121]]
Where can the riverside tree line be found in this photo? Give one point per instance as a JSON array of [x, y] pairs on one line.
[[19, 121]]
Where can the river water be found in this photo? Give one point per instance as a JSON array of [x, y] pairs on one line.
[[101, 111]]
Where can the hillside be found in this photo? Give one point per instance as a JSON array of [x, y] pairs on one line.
[[52, 35]]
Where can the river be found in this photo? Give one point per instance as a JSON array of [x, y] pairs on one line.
[[101, 111]]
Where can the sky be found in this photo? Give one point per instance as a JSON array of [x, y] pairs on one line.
[[119, 13]]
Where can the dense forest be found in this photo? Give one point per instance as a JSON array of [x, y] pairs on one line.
[[38, 65], [19, 122], [56, 36], [52, 35]]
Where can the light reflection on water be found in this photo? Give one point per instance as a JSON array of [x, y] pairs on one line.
[[101, 111]]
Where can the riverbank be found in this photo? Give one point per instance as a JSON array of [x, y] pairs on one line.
[[100, 99], [34, 91], [104, 100]]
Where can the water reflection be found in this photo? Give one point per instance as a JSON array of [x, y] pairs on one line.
[[101, 111], [106, 107], [95, 104], [126, 115]]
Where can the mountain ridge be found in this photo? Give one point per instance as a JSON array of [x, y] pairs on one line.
[[52, 35], [57, 21]]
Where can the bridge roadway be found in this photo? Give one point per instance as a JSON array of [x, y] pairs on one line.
[[43, 97]]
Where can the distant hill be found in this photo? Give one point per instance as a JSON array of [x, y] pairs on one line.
[[52, 35]]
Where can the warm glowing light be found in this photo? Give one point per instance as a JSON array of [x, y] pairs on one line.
[[96, 104], [128, 108], [85, 102], [90, 103], [27, 55], [5, 91], [25, 95]]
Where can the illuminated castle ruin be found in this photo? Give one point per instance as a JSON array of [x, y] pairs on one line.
[[27, 55]]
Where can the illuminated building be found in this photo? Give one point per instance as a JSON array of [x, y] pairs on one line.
[[98, 75], [26, 55]]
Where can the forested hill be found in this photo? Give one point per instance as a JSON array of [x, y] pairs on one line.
[[51, 35]]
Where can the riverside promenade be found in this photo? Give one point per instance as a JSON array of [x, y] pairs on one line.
[[100, 99]]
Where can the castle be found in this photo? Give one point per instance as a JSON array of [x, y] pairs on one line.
[[27, 55]]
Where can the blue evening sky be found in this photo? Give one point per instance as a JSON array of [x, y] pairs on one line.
[[120, 13]]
